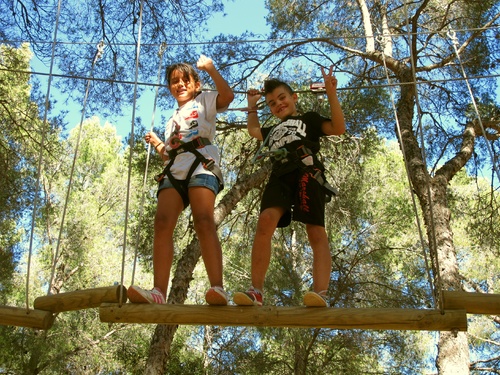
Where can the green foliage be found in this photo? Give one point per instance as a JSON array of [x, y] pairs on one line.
[[376, 250], [17, 145], [89, 254]]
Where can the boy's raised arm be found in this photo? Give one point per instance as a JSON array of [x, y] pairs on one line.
[[337, 124], [226, 94], [253, 124]]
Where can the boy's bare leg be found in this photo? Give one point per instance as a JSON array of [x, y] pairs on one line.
[[261, 249], [322, 259], [168, 210], [202, 206]]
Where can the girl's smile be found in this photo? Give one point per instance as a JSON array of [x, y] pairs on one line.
[[183, 88]]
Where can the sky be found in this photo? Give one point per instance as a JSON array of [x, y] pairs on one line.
[[239, 16], [242, 15]]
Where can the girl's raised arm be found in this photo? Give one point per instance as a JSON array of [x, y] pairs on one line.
[[226, 94]]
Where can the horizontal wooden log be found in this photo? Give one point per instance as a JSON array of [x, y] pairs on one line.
[[473, 303], [22, 317], [80, 299], [296, 317]]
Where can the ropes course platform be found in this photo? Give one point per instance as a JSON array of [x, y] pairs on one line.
[[29, 318], [473, 303], [294, 317], [456, 307], [81, 299]]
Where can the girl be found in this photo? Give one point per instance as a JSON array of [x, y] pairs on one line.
[[191, 176]]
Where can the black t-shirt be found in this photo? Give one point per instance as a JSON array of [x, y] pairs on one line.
[[291, 133]]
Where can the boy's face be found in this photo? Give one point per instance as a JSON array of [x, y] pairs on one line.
[[182, 88], [281, 103]]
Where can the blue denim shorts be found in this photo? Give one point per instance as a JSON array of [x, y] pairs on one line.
[[204, 180]]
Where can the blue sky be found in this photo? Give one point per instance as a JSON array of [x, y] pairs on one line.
[[242, 15], [239, 16]]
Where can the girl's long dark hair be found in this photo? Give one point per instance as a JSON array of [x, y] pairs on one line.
[[186, 70]]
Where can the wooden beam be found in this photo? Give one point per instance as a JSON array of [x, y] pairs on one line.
[[81, 299], [473, 303], [298, 317], [22, 317]]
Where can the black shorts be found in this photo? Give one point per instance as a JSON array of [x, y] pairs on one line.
[[300, 194]]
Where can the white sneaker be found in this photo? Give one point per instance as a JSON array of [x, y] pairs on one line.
[[216, 295], [138, 295]]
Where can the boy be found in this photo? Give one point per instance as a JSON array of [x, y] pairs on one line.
[[296, 187]]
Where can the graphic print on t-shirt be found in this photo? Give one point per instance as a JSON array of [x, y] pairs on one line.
[[174, 140], [185, 129], [287, 132]]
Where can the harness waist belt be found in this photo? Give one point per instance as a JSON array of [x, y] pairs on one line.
[[196, 143], [208, 164]]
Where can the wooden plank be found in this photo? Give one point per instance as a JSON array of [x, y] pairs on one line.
[[299, 317], [80, 299], [22, 317], [473, 303]]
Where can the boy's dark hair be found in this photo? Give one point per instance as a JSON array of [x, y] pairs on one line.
[[186, 70], [271, 84]]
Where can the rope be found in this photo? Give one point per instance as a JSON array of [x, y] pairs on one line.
[[452, 35], [40, 159], [432, 81], [270, 40], [144, 183], [259, 155], [424, 160], [131, 146], [98, 55], [399, 135]]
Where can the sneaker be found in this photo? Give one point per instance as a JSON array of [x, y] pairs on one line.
[[252, 297], [216, 295], [138, 295], [313, 299]]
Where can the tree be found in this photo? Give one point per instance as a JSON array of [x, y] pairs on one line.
[[408, 53], [19, 150], [82, 252], [369, 43], [84, 24]]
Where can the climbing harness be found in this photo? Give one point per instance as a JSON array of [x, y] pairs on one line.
[[304, 158], [193, 147]]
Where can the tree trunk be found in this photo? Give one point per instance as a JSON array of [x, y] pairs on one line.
[[299, 354], [161, 342], [453, 351], [207, 344], [367, 25]]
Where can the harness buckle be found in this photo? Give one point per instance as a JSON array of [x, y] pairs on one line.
[[198, 142], [303, 151], [209, 164], [304, 154], [317, 176]]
